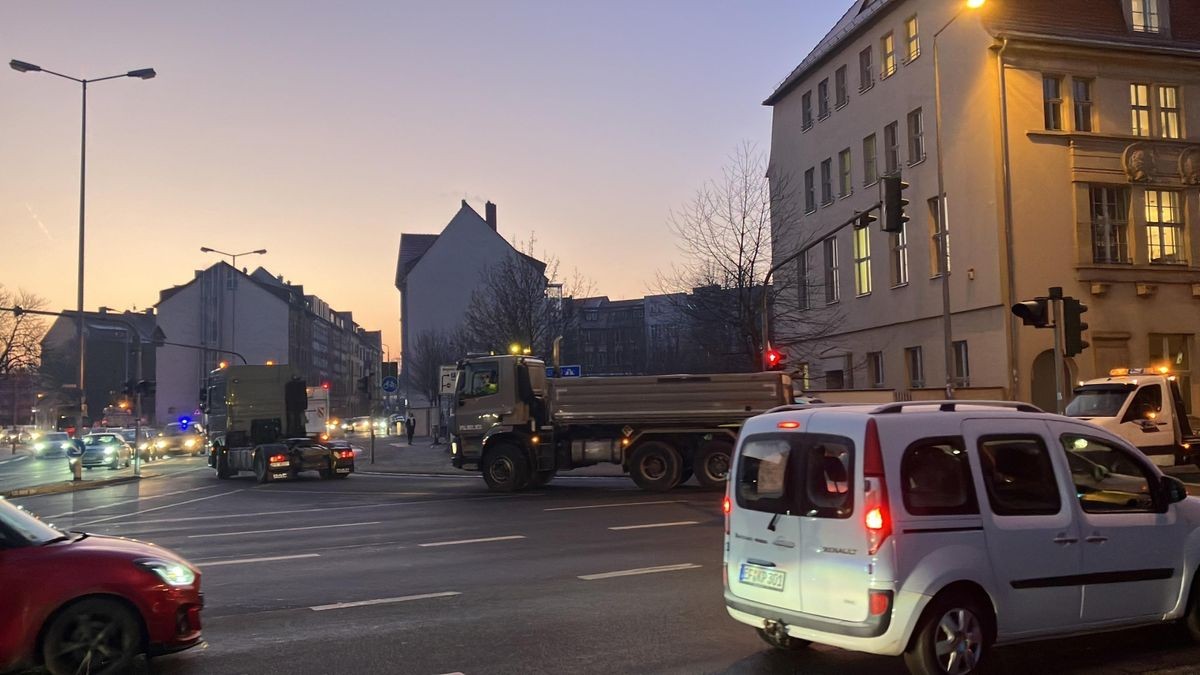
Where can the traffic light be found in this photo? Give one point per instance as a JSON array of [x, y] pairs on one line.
[[1034, 313], [894, 202], [1073, 327], [773, 359], [864, 220]]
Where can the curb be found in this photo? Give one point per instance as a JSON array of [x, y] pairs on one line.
[[72, 486]]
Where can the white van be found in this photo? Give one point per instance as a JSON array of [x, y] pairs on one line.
[[936, 530]]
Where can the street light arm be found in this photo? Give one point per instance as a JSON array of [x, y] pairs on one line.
[[202, 348]]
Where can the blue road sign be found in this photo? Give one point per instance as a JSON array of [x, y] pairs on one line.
[[549, 371], [570, 371], [390, 384]]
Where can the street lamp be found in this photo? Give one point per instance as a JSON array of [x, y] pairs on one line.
[[943, 224], [142, 74], [234, 256]]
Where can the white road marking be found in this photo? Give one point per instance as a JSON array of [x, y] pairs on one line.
[[473, 541], [640, 570], [129, 501], [157, 508], [384, 601], [256, 560], [639, 527], [282, 529], [608, 506]]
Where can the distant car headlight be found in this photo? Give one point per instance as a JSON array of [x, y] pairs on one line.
[[39, 446], [143, 446], [189, 443], [160, 444], [172, 573]]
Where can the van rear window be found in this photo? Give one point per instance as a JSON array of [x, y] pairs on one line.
[[797, 474]]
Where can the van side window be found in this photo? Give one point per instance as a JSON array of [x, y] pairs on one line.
[[1107, 479], [1146, 404], [1019, 476], [797, 474], [935, 478]]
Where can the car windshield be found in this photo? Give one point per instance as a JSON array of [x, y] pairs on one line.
[[22, 523], [1097, 402], [100, 439], [173, 430], [56, 436], [128, 434]]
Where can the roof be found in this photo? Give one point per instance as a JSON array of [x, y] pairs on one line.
[[855, 20], [144, 324]]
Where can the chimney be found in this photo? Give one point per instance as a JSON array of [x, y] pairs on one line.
[[490, 210]]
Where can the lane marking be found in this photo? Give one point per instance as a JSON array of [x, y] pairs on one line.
[[273, 558], [157, 508], [282, 529], [473, 541], [18, 458], [350, 492], [384, 601], [640, 570], [609, 506], [639, 527], [130, 501]]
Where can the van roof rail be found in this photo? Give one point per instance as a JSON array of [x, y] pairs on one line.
[[951, 406], [809, 406]]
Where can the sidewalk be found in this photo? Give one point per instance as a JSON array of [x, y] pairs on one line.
[[394, 455]]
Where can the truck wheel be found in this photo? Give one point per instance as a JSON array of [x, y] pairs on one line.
[[656, 466], [222, 461], [712, 464], [260, 468], [541, 478], [505, 469]]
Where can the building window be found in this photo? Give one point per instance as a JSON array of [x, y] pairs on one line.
[[823, 99], [939, 238], [827, 181], [844, 182], [1164, 227], [870, 168], [962, 364], [916, 137], [832, 293], [810, 191], [1082, 103], [841, 96], [802, 299], [1145, 16], [866, 78], [915, 366], [914, 39], [1139, 102], [891, 148], [1052, 102], [875, 370], [1110, 224], [887, 47], [1168, 112], [862, 261], [806, 108], [899, 256]]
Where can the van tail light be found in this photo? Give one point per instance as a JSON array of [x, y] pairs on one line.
[[880, 602], [878, 521], [726, 507]]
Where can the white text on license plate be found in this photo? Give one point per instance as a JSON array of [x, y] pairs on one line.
[[762, 577]]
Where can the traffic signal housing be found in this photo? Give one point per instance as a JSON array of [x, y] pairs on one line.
[[894, 202], [1034, 313], [1073, 327], [864, 220], [773, 359]]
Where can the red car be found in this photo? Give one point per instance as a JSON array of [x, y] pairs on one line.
[[74, 602]]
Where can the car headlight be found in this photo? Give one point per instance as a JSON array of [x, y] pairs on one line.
[[172, 573], [143, 446], [66, 446], [109, 451], [160, 444], [39, 446], [189, 443]]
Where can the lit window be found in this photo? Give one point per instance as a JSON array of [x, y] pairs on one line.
[[844, 186], [870, 168], [1168, 112], [1082, 102], [939, 238], [914, 39], [887, 46], [1139, 101], [891, 148], [862, 260], [866, 78], [832, 293], [1164, 227], [841, 96], [899, 256], [916, 137], [1145, 16], [1110, 224], [1052, 102]]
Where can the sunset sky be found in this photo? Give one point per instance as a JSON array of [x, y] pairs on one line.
[[322, 130]]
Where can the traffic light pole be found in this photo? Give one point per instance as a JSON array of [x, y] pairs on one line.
[[1056, 295]]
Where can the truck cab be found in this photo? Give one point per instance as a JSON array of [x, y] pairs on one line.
[[494, 395], [1143, 406]]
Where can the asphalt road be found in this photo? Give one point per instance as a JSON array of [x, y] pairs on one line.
[[429, 575]]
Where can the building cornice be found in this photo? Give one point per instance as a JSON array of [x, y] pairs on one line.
[[1098, 43]]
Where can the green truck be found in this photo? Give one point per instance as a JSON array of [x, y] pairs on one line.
[[519, 427]]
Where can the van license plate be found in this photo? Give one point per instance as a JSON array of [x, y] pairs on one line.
[[762, 577]]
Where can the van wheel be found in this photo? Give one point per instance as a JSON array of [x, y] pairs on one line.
[[1190, 623], [505, 469], [784, 642], [712, 464], [656, 466], [952, 638]]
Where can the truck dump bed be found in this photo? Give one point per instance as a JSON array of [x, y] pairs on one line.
[[667, 399]]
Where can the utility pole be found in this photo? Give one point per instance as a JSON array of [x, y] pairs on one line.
[[1056, 296]]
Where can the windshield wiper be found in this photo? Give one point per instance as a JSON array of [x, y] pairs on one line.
[[82, 535], [55, 540]]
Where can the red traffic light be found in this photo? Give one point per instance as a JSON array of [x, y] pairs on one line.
[[773, 359], [325, 386]]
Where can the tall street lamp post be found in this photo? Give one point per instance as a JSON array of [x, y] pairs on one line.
[[943, 223], [234, 257], [143, 74]]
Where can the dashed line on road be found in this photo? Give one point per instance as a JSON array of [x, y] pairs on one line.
[[384, 601], [640, 570], [281, 529], [473, 541], [241, 561], [157, 508], [609, 506], [641, 527]]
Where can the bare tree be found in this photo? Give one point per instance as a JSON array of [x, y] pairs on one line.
[[20, 335], [430, 351], [728, 235]]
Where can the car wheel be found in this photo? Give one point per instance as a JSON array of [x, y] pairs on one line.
[[783, 641], [712, 464], [953, 637], [260, 468], [92, 636], [505, 469], [656, 466]]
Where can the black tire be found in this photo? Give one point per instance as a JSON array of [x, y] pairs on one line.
[[261, 474], [222, 461], [712, 464], [505, 468], [1189, 624], [541, 478], [341, 475], [655, 466], [960, 622], [785, 642], [325, 474], [99, 636]]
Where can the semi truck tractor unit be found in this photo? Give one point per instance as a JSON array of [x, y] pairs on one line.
[[519, 427], [259, 420]]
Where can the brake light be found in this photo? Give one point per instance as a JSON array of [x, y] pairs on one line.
[[875, 519], [278, 458], [726, 507], [880, 602], [879, 525], [344, 454], [872, 451], [788, 425]]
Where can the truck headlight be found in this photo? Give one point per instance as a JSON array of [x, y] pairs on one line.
[[172, 573]]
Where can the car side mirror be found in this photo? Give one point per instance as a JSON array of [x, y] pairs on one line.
[[1173, 489]]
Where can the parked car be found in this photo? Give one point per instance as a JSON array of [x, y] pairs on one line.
[[150, 602], [177, 438], [52, 443], [105, 450], [937, 530]]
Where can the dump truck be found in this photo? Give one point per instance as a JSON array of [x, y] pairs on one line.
[[256, 420], [519, 427], [1145, 407]]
